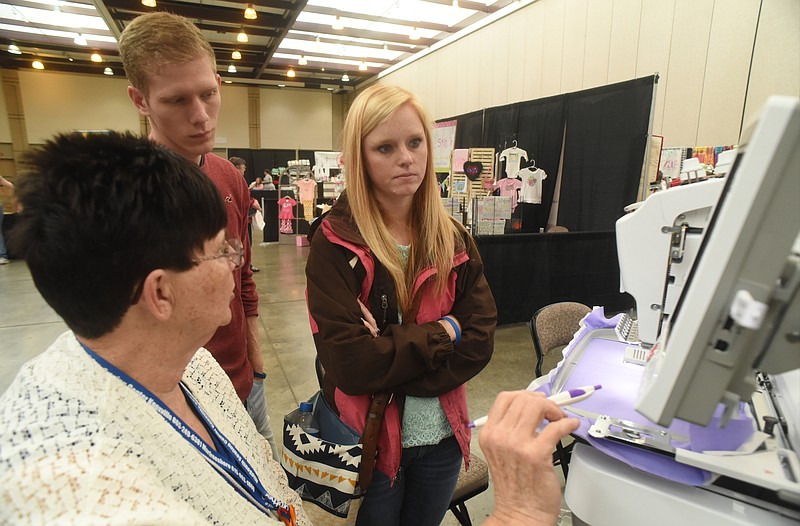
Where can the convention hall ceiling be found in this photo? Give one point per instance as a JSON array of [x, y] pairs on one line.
[[314, 44]]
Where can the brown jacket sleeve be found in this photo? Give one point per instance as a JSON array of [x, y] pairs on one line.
[[409, 359]]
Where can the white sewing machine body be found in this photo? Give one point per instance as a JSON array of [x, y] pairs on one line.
[[727, 331], [661, 238]]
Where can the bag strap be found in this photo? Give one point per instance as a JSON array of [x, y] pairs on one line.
[[369, 439]]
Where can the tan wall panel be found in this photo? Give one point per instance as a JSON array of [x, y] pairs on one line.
[[776, 62], [516, 45], [623, 46], [5, 129], [598, 43], [552, 59], [296, 119], [484, 67], [501, 68], [574, 54], [56, 103], [730, 47], [655, 39], [687, 66], [233, 130], [533, 51]]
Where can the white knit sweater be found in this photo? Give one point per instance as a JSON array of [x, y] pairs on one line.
[[77, 446]]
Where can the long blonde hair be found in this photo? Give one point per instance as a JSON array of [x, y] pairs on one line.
[[433, 232]]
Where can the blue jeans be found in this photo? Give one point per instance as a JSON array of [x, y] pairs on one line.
[[257, 409], [422, 492]]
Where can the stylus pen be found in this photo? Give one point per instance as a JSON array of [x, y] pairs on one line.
[[571, 396]]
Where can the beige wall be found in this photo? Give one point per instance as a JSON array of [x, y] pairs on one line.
[[701, 50], [296, 119], [57, 102]]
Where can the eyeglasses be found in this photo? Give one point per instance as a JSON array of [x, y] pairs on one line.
[[233, 251]]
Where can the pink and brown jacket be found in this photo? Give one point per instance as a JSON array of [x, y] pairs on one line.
[[414, 358]]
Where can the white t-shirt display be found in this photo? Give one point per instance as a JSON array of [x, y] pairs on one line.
[[513, 157], [532, 184]]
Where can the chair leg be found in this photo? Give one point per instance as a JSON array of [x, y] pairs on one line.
[[563, 457], [461, 513]]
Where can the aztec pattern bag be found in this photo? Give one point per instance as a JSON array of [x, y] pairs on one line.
[[323, 470]]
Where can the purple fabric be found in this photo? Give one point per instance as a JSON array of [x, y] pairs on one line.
[[601, 363]]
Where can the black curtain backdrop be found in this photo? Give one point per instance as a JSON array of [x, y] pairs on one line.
[[606, 137], [540, 133], [500, 126], [469, 130], [604, 147], [529, 271], [258, 160]]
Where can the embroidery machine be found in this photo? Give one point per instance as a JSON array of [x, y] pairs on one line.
[[721, 336]]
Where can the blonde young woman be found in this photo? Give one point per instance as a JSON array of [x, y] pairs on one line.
[[398, 303]]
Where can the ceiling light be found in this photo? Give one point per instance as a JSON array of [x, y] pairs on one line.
[[414, 34], [236, 55], [228, 81], [108, 71], [337, 23], [149, 3], [281, 85], [302, 60], [241, 37], [362, 66], [37, 64], [80, 40], [385, 46], [290, 73], [330, 89], [455, 3], [323, 70], [96, 57], [70, 59], [14, 49], [250, 12], [345, 78], [317, 39], [231, 69]]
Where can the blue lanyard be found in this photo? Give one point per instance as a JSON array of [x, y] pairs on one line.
[[227, 461]]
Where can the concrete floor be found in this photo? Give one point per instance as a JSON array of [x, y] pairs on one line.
[[28, 326]]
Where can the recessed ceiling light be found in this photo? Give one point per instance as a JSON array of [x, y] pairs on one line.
[[37, 64], [228, 81], [14, 49], [281, 85], [236, 55], [250, 12], [96, 57], [108, 71]]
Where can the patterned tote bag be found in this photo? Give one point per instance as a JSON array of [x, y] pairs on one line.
[[323, 469]]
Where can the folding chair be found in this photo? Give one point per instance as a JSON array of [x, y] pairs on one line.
[[552, 327]]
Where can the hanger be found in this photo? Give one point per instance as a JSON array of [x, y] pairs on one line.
[[515, 142]]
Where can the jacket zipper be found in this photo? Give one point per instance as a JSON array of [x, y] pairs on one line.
[[385, 309]]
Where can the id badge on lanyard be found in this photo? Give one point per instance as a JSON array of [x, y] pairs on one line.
[[227, 460]]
